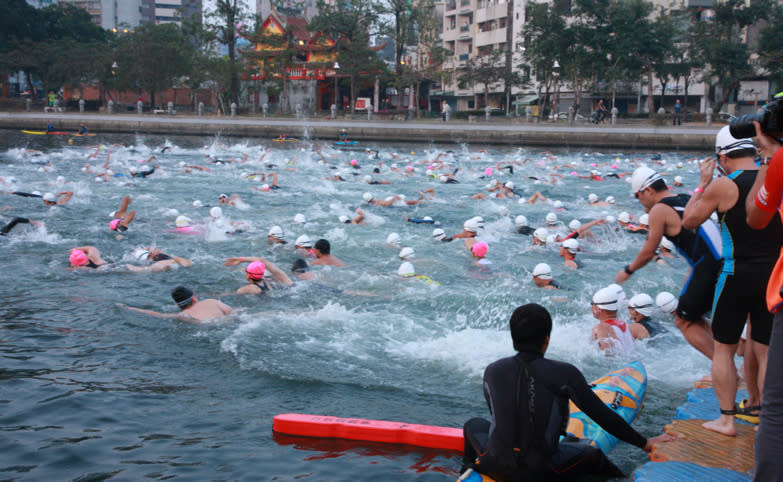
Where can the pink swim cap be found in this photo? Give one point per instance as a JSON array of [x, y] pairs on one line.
[[480, 249], [353, 162], [256, 270], [113, 224], [78, 258], [488, 171], [614, 166], [592, 164], [574, 173]]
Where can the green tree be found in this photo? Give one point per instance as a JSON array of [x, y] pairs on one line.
[[484, 69], [769, 51], [223, 22]]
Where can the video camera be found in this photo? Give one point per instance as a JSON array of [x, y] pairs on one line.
[[771, 121]]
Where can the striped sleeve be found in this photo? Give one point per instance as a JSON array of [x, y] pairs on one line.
[[769, 196]]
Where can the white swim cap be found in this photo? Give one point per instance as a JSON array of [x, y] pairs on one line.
[[276, 232], [666, 244], [427, 218], [557, 204], [50, 197], [98, 179], [182, 221], [344, 219], [36, 193], [216, 212], [725, 142], [551, 239], [605, 299], [624, 217], [407, 253], [551, 218], [571, 245], [678, 179], [592, 198], [509, 184], [140, 253], [443, 178], [644, 219], [541, 234], [642, 178], [470, 225], [393, 239], [438, 234], [303, 241], [610, 219], [574, 225], [479, 221], [197, 204], [642, 303], [521, 221], [543, 271], [619, 291], [367, 178], [367, 197], [666, 301], [299, 218], [406, 270], [610, 199], [60, 180]]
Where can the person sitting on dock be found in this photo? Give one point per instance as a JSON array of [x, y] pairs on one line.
[[516, 445]]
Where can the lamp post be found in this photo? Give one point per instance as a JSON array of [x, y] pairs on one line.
[[556, 79], [336, 68]]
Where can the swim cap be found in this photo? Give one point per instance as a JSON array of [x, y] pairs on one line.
[[216, 212], [140, 254], [605, 299], [368, 178], [470, 226], [619, 291], [571, 245], [353, 162], [543, 271], [678, 179], [592, 198], [344, 219], [521, 221], [624, 217], [666, 301], [393, 239], [407, 253], [725, 142], [367, 197], [644, 219], [551, 239], [642, 178], [509, 185], [594, 172], [574, 225], [113, 224], [276, 232], [488, 171], [50, 197], [666, 244], [610, 199], [303, 241], [255, 270], [300, 219], [182, 221], [541, 234], [60, 180], [438, 234], [265, 187], [406, 270], [551, 218], [479, 249], [78, 258], [610, 219], [642, 303], [182, 296], [197, 204], [427, 218], [223, 196], [443, 178]]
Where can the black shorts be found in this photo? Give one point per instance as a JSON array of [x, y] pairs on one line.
[[739, 297], [699, 290]]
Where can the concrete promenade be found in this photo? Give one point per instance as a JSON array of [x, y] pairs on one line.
[[499, 130]]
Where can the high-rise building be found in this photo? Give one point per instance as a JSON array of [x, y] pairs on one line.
[[169, 11]]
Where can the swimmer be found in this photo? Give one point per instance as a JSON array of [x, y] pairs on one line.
[[50, 199], [276, 236], [640, 307], [479, 252], [407, 271], [193, 310], [542, 277], [609, 332], [160, 260], [358, 219], [255, 272], [540, 236], [268, 187], [304, 246], [324, 256], [122, 218], [424, 220], [393, 240], [86, 257], [469, 230], [369, 180], [407, 253], [522, 225], [568, 250], [224, 199], [15, 221], [301, 270]]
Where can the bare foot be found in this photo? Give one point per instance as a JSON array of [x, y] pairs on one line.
[[723, 425]]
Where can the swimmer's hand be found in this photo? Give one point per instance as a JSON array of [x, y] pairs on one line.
[[658, 439]]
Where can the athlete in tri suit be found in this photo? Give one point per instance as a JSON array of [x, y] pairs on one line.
[[528, 396], [764, 203], [748, 258], [702, 249]]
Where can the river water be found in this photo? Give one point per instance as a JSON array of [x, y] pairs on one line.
[[91, 390]]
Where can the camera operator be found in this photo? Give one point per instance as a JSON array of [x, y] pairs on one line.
[[763, 202]]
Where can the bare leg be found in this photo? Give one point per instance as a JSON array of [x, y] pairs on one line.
[[724, 379], [760, 352], [123, 208], [127, 220], [698, 334]]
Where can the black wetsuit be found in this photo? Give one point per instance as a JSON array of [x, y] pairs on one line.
[[528, 397], [8, 227], [92, 265], [161, 257], [526, 230], [652, 327]]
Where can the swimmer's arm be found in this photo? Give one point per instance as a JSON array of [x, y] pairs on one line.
[[240, 259], [153, 313], [279, 275], [66, 196], [654, 235]]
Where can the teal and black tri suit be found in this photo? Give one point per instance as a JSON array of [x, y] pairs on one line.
[[748, 258], [528, 398]]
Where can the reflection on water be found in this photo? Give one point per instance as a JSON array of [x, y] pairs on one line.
[[198, 401]]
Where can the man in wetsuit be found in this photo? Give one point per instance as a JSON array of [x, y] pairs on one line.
[[528, 398], [762, 205], [748, 258], [700, 247]]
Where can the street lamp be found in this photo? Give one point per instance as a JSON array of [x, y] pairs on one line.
[[336, 68], [556, 78]]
